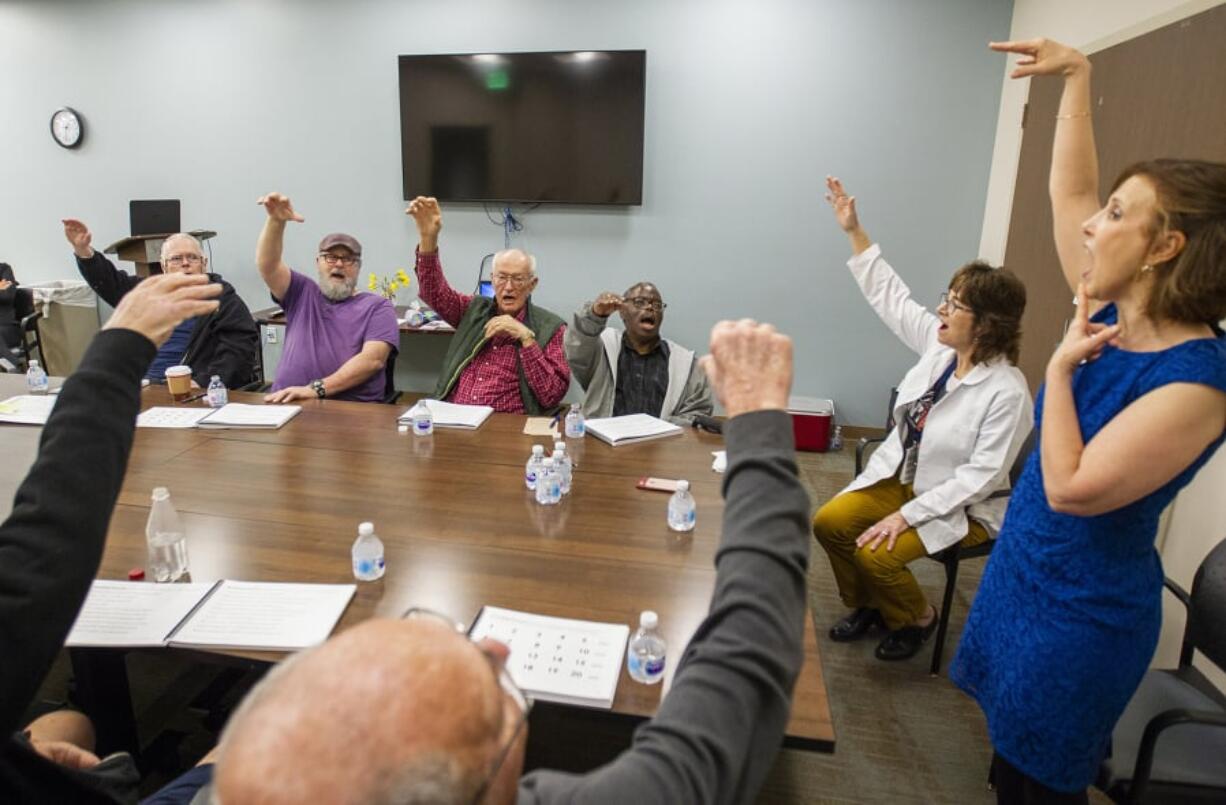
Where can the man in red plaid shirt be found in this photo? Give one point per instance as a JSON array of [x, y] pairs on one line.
[[507, 352]]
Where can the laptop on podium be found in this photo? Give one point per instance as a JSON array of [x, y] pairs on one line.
[[154, 216]]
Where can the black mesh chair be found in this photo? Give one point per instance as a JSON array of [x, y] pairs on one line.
[[1170, 743], [27, 320]]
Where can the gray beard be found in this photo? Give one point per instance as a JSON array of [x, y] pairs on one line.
[[337, 293]]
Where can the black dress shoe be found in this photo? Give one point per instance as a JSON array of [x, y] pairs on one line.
[[902, 644], [856, 625]]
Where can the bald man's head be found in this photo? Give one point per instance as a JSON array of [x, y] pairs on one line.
[[388, 711]]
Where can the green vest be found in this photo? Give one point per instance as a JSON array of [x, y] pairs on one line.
[[470, 338]]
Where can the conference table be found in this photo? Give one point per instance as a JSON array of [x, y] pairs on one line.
[[460, 529]]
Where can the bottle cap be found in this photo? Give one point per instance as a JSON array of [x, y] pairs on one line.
[[648, 619], [683, 486], [33, 363], [557, 455], [136, 574], [538, 449], [549, 462], [366, 529], [402, 428], [561, 446], [160, 493]]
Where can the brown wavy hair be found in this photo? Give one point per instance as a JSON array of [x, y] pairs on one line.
[[997, 298], [1191, 286]]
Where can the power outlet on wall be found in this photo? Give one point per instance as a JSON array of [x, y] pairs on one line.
[[270, 334]]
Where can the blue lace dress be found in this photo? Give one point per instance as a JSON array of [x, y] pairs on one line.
[[1067, 616]]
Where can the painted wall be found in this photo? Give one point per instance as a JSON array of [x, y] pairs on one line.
[[749, 106], [1196, 521]]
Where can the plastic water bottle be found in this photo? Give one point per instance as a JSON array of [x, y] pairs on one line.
[[681, 509], [423, 420], [548, 485], [218, 396], [367, 554], [414, 316], [165, 538], [566, 470], [536, 463], [645, 658], [36, 379], [836, 439], [574, 423]]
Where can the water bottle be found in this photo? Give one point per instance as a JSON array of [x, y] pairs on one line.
[[645, 658], [423, 420], [574, 423], [218, 396], [681, 511], [36, 379], [165, 538], [367, 554], [836, 439], [548, 485], [535, 462], [414, 317], [561, 461]]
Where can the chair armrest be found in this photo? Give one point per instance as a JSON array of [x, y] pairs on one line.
[[1178, 592], [27, 322], [863, 445], [1149, 740]]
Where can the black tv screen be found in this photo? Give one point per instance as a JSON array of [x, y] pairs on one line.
[[524, 127]]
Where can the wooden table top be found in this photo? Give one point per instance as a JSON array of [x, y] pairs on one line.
[[460, 528]]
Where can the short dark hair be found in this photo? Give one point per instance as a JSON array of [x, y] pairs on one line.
[[997, 298], [1191, 286]]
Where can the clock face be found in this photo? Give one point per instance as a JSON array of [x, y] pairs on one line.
[[66, 128]]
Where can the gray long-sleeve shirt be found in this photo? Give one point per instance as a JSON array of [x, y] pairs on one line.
[[720, 726]]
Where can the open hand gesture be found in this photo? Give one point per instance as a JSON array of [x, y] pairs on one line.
[[750, 366], [79, 237], [1042, 57], [607, 303], [843, 204], [1083, 341], [279, 208], [425, 212], [159, 303]]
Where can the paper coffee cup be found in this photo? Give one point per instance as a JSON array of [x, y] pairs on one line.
[[179, 381]]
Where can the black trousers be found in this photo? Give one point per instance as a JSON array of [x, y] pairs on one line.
[[1015, 788]]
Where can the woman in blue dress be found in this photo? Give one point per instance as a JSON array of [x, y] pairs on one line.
[[1134, 402]]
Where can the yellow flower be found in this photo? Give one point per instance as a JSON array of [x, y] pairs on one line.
[[404, 278], [392, 286], [374, 282]]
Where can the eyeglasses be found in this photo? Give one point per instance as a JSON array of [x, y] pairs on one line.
[[646, 303], [522, 701], [949, 302], [184, 260], [338, 259], [514, 280]]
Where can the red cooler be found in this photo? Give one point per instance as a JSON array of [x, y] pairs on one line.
[[812, 422]]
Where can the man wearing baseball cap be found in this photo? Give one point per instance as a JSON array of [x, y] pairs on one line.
[[337, 341]]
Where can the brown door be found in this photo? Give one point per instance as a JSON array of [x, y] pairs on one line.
[[1162, 94]]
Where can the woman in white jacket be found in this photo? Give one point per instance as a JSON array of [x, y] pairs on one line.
[[963, 413]]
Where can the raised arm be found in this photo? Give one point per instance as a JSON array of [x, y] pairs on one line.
[[107, 281], [268, 249], [1073, 185], [433, 286], [583, 345]]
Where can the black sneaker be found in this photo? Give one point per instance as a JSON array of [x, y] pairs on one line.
[[856, 625], [902, 644]]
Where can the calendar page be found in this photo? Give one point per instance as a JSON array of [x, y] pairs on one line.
[[557, 659]]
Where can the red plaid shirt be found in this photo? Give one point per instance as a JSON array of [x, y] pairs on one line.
[[492, 377]]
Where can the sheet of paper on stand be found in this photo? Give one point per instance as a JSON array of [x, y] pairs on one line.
[[452, 415], [27, 409], [241, 415], [619, 430]]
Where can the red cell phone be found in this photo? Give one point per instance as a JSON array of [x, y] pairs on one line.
[[657, 484]]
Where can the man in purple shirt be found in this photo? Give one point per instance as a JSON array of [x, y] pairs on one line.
[[337, 342]]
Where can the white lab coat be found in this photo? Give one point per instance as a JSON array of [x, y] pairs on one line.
[[972, 434]]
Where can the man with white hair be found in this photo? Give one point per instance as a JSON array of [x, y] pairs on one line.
[[507, 352], [337, 339], [225, 342]]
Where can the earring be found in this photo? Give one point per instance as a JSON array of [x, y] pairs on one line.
[[1145, 269]]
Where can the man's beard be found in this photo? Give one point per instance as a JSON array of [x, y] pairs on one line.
[[337, 292]]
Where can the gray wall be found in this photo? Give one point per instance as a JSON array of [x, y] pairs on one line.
[[749, 105]]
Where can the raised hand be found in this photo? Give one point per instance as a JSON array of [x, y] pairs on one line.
[[750, 366], [1042, 57], [425, 212], [158, 304], [279, 208], [607, 303], [79, 237], [844, 205], [1083, 341]]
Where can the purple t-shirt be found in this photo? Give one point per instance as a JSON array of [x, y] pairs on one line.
[[320, 335]]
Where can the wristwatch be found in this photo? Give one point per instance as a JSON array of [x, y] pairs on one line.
[[318, 387]]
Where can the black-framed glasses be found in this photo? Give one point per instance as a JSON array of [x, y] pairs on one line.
[[646, 303], [523, 701], [516, 280], [184, 260], [947, 301], [338, 259]]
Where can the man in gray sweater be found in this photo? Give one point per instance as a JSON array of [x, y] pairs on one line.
[[412, 711]]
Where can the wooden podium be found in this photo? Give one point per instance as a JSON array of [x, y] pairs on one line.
[[146, 250]]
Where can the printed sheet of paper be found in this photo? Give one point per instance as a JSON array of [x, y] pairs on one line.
[[168, 417], [133, 613], [266, 616], [558, 659], [27, 409]]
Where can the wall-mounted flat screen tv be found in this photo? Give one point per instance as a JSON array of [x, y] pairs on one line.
[[524, 127]]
